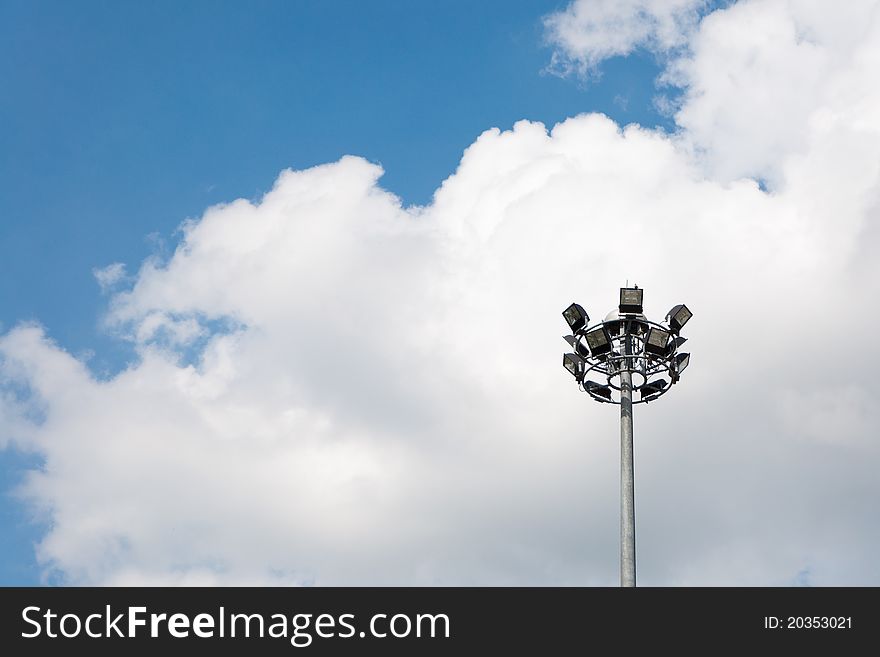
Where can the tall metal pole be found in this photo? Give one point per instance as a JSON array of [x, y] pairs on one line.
[[627, 485], [644, 348]]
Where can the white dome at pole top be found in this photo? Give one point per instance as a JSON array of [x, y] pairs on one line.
[[614, 316]]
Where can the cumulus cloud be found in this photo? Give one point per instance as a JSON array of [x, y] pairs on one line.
[[333, 388], [765, 78], [587, 32]]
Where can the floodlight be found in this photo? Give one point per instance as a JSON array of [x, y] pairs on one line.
[[678, 366], [630, 300], [598, 341], [656, 341], [681, 362], [579, 347], [576, 317], [574, 364], [597, 390], [678, 317], [653, 388], [674, 344]]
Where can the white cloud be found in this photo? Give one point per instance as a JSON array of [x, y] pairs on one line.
[[109, 276], [587, 32], [337, 389], [765, 77]]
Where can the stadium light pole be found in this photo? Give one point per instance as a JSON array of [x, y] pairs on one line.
[[631, 353], [627, 480]]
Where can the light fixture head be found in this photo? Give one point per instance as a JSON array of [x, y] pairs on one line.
[[576, 317], [576, 344], [674, 343], [597, 390], [653, 388], [575, 365], [598, 341], [631, 300], [678, 365], [678, 317], [656, 342]]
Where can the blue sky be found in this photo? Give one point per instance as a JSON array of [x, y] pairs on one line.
[[120, 120]]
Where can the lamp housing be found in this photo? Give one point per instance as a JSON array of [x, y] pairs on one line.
[[579, 347], [576, 317], [678, 365], [653, 388], [598, 341], [657, 341], [678, 317], [631, 300], [575, 365], [597, 390]]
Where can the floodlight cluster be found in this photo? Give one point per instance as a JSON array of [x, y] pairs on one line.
[[626, 341]]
